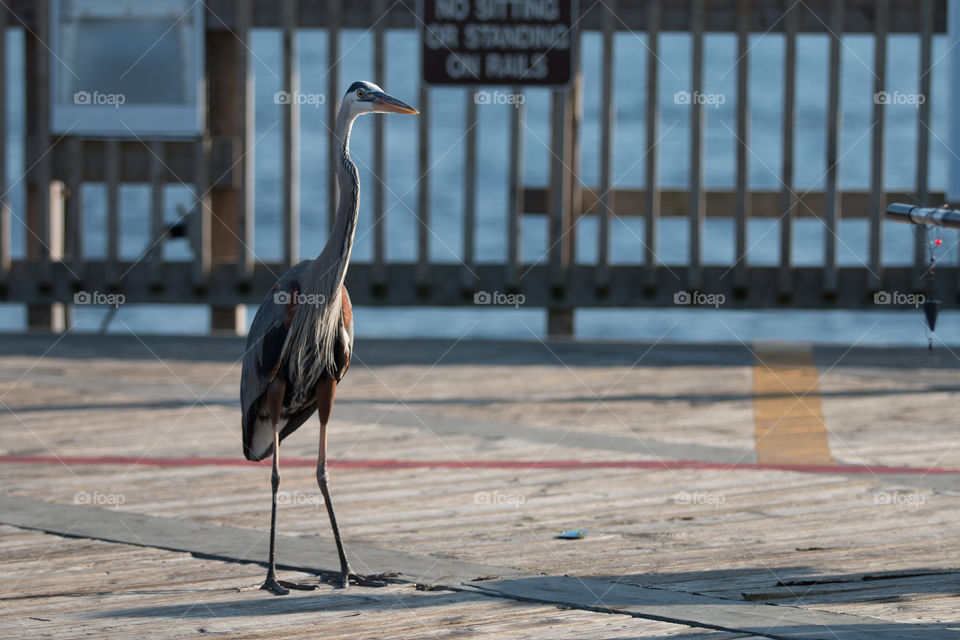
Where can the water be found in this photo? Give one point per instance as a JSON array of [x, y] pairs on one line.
[[447, 108]]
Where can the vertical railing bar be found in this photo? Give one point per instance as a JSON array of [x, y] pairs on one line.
[[697, 204], [5, 244], [113, 213], [157, 232], [334, 91], [926, 9], [516, 204], [74, 207], [245, 218], [470, 187], [38, 158], [573, 207], [380, 151], [290, 115], [742, 213], [423, 190], [555, 199], [787, 196], [201, 216], [652, 213], [606, 149], [832, 191], [877, 205]]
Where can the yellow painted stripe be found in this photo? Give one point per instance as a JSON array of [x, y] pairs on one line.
[[787, 412]]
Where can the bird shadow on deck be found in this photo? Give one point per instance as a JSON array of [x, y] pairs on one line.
[[630, 595], [326, 601]]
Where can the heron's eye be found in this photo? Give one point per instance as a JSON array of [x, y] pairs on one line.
[[359, 93]]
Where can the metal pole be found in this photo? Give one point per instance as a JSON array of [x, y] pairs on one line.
[[912, 214]]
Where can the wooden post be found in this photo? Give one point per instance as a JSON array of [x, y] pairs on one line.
[[652, 201], [877, 204], [424, 272], [113, 210], [469, 190], [697, 128], [45, 317], [607, 117], [379, 269], [832, 188], [745, 9], [290, 115], [73, 222], [4, 206], [157, 229], [226, 122], [334, 92], [565, 196], [923, 132], [787, 196], [517, 132]]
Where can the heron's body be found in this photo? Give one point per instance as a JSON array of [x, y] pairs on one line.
[[301, 339], [273, 359]]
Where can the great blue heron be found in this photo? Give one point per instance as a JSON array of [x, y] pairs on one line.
[[301, 340]]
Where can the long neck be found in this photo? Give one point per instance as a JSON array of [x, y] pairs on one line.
[[331, 264]]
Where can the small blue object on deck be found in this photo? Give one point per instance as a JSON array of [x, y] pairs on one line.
[[572, 534]]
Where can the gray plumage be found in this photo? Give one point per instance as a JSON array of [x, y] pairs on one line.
[[318, 338], [301, 340]]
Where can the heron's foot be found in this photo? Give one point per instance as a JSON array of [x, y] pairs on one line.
[[273, 585], [283, 587], [372, 580]]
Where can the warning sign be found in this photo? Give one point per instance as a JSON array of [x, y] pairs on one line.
[[511, 42]]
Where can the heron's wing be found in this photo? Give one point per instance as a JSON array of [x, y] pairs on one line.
[[266, 344]]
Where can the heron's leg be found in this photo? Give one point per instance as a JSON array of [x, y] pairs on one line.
[[274, 400], [326, 390], [272, 584]]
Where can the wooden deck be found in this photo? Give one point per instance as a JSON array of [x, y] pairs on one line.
[[127, 510]]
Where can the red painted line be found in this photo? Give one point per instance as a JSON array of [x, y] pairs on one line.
[[480, 464]]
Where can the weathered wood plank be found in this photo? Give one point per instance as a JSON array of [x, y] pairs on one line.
[[720, 203], [230, 543], [714, 613]]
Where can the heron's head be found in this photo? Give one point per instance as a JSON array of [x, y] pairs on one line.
[[366, 97]]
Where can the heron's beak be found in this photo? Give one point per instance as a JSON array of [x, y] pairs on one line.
[[389, 104]]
